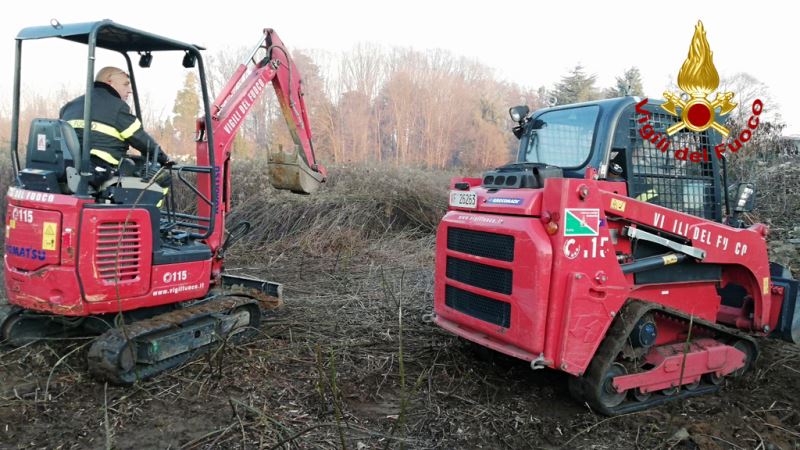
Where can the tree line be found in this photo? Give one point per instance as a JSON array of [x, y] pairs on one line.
[[394, 106], [403, 107]]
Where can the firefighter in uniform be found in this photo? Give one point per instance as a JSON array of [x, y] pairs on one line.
[[113, 126]]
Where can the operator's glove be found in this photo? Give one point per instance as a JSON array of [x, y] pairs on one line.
[[150, 170], [163, 159]]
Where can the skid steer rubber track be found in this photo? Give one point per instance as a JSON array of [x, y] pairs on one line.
[[590, 387]]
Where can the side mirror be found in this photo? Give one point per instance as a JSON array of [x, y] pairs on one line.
[[518, 113], [745, 197]]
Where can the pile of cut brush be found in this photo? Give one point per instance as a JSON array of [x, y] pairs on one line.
[[356, 204], [778, 206]]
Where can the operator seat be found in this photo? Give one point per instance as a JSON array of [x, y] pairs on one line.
[[52, 161], [129, 190]]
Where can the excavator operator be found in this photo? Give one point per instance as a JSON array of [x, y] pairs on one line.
[[113, 126]]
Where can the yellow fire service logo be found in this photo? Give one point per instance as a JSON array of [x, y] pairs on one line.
[[698, 78]]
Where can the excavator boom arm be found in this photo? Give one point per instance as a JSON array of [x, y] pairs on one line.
[[235, 100], [297, 171]]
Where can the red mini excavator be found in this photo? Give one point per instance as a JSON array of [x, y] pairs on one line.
[[79, 257], [601, 254]]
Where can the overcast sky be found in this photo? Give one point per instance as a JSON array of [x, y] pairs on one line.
[[527, 42]]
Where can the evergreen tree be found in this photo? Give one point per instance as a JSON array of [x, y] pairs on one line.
[[187, 108], [576, 87], [630, 83]]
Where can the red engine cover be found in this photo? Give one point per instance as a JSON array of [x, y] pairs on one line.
[[74, 257], [32, 237]]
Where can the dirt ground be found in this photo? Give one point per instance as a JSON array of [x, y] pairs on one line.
[[351, 361]]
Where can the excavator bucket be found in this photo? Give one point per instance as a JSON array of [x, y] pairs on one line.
[[291, 172]]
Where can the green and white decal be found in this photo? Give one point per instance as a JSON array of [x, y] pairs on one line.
[[581, 222]]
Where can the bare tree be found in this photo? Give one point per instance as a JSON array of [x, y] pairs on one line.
[[405, 107], [361, 74]]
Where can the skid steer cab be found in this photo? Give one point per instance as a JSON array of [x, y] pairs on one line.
[[600, 254], [76, 253]]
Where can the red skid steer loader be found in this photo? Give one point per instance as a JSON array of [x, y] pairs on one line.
[[600, 254]]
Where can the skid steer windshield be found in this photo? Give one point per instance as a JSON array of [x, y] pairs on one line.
[[563, 137]]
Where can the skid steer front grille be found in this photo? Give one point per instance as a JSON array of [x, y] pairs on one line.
[[481, 243], [478, 306], [494, 279]]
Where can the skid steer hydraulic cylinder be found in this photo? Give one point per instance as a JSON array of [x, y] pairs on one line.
[[653, 262]]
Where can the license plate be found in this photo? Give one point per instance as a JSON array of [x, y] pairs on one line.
[[461, 199]]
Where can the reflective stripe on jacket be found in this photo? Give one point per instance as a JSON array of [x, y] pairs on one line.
[[113, 126]]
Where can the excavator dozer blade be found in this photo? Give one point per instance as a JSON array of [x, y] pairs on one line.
[[290, 171]]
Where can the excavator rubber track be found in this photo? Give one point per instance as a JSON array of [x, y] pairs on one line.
[[589, 387], [146, 348], [20, 327], [6, 313]]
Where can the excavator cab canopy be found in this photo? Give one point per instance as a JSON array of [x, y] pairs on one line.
[[107, 35]]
